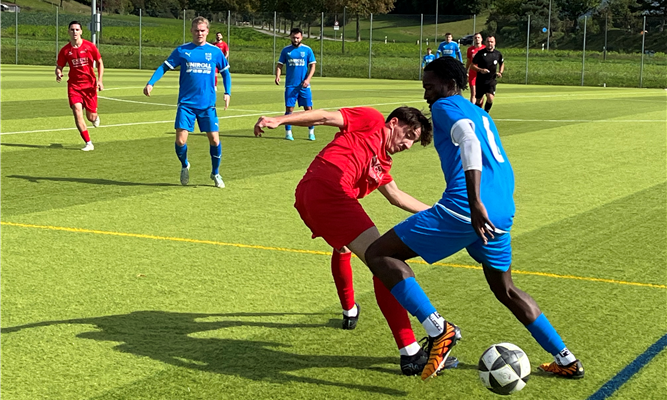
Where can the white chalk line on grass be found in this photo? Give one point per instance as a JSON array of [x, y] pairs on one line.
[[255, 114]]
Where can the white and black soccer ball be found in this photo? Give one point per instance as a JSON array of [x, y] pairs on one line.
[[504, 368]]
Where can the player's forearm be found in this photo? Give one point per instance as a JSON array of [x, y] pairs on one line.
[[158, 74], [476, 68], [313, 117], [473, 179], [227, 80], [400, 199], [100, 70], [311, 71], [279, 70]]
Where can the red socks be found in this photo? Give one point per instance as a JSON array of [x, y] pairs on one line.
[[341, 269], [395, 314], [85, 136]]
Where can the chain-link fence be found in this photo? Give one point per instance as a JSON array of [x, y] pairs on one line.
[[591, 51]]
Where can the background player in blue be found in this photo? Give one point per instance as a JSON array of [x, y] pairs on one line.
[[476, 213], [196, 95], [449, 48], [428, 58], [300, 62]]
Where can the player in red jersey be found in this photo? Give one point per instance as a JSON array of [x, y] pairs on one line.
[[219, 43], [355, 163], [82, 85], [472, 74]]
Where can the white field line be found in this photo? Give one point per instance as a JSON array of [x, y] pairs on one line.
[[255, 114]]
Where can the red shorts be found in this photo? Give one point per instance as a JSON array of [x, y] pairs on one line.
[[87, 97], [472, 78], [330, 213]]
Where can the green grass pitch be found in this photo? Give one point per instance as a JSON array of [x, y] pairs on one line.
[[119, 283]]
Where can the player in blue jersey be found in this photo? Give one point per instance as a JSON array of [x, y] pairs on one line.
[[196, 95], [428, 58], [449, 48], [475, 212], [300, 68]]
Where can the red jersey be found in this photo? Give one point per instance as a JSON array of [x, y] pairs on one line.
[[472, 50], [222, 46], [356, 158], [80, 60]]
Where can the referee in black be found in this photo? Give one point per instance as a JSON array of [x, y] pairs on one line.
[[489, 65]]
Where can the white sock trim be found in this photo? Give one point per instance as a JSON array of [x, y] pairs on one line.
[[434, 324], [410, 350], [353, 312]]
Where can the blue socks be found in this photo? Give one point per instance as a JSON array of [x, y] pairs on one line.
[[546, 335], [182, 153], [216, 155], [288, 127], [411, 296]]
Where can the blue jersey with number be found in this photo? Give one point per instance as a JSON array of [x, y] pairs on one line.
[[428, 59], [297, 60], [497, 184], [450, 49], [197, 79]]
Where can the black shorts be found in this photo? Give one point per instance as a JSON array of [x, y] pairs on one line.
[[484, 87]]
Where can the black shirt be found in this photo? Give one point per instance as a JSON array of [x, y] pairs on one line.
[[490, 60]]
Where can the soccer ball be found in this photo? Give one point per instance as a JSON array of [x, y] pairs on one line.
[[504, 368]]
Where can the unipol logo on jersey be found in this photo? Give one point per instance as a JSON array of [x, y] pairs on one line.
[[209, 56], [296, 62], [197, 68]]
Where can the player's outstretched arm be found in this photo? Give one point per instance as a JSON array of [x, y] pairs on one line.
[[227, 82], [400, 199], [159, 73], [304, 118]]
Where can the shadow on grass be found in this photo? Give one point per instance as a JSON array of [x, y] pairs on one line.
[[91, 181], [57, 146], [168, 337]]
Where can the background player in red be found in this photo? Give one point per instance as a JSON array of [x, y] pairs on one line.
[[355, 163], [219, 43], [82, 85], [472, 74]]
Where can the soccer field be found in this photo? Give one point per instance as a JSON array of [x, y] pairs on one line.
[[119, 283]]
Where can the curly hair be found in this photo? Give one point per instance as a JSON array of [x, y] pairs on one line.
[[448, 69]]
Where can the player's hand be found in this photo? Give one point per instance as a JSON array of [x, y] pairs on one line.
[[100, 86], [499, 75], [306, 83], [486, 71], [265, 122], [147, 90], [277, 80], [59, 76], [226, 97], [481, 223]]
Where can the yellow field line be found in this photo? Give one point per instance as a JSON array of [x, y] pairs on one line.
[[316, 252]]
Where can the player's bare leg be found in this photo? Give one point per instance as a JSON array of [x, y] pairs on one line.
[[182, 153], [216, 156], [520, 303], [93, 117], [288, 128], [473, 91], [77, 110], [311, 129]]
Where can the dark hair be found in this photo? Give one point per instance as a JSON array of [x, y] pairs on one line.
[[414, 119], [219, 33], [449, 68], [428, 48], [74, 23], [295, 30], [477, 33], [490, 36], [448, 34]]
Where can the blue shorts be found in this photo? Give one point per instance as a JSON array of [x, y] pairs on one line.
[[435, 234], [304, 95], [207, 119]]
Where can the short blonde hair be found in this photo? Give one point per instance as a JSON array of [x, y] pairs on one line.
[[200, 20]]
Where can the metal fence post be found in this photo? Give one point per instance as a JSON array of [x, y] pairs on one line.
[[183, 26], [229, 30], [604, 50], [57, 34], [370, 48], [344, 22], [421, 40], [527, 47], [641, 68], [474, 23], [140, 11], [322, 45], [16, 16], [436, 22], [549, 26], [583, 59], [274, 41]]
